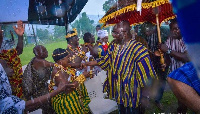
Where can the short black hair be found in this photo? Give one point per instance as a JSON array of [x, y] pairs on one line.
[[173, 21], [87, 37], [59, 53], [98, 26]]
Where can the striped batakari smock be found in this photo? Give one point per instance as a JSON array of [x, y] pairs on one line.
[[71, 103], [13, 60], [129, 69], [177, 45]]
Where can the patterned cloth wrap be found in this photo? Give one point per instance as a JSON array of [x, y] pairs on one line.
[[75, 102], [35, 84], [188, 75], [9, 104], [13, 60]]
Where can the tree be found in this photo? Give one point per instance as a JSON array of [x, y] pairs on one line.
[[84, 24], [59, 32], [42, 34], [108, 4]]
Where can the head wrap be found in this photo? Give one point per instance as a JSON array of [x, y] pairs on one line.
[[102, 33], [59, 54], [69, 35]]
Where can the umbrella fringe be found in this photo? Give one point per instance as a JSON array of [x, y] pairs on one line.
[[133, 7]]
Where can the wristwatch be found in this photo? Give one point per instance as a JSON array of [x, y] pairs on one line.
[[168, 51]]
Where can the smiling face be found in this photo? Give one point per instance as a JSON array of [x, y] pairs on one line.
[[116, 34]]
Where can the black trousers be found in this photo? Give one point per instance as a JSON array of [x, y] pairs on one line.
[[128, 110]]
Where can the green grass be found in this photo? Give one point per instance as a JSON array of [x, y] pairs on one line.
[[27, 54], [28, 51]]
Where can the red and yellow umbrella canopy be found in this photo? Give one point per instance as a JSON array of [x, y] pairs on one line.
[[127, 10]]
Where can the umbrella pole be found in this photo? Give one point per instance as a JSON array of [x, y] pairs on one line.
[[162, 61]]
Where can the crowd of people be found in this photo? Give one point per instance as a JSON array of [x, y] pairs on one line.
[[134, 74]]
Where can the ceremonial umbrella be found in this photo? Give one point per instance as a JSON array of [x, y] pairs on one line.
[[127, 10], [154, 11]]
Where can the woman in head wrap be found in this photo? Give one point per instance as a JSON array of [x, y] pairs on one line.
[[73, 100], [102, 48], [10, 104]]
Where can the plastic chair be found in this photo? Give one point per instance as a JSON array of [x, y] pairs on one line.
[[98, 104]]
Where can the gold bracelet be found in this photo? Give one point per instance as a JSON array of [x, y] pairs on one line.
[[80, 79], [91, 74]]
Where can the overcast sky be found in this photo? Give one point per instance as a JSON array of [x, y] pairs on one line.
[[12, 10], [94, 7]]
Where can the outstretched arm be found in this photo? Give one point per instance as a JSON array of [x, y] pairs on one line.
[[92, 63], [19, 30], [31, 104]]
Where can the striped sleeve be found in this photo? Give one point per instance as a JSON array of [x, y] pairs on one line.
[[145, 71], [104, 62], [99, 52]]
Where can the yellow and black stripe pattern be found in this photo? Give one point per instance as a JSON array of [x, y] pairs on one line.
[[70, 103]]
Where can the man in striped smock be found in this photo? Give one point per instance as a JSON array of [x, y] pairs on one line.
[[176, 49], [129, 69]]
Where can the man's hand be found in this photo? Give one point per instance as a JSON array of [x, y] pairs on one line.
[[86, 74], [19, 30], [163, 47]]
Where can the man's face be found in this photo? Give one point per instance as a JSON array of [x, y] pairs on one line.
[[147, 31], [92, 39], [98, 28], [75, 40], [124, 30], [116, 33], [176, 31]]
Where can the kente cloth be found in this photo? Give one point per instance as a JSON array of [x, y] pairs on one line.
[[102, 49], [129, 69], [34, 84], [13, 60], [177, 45], [188, 75], [9, 104], [72, 103]]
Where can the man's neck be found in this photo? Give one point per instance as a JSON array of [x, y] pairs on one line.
[[127, 39], [73, 46]]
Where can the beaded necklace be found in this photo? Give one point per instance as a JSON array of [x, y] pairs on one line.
[[78, 52]]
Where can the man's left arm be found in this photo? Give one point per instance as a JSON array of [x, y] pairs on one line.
[[19, 30]]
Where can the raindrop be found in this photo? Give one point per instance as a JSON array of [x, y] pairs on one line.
[[14, 14], [61, 19], [60, 2], [18, 10], [71, 12], [56, 20]]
